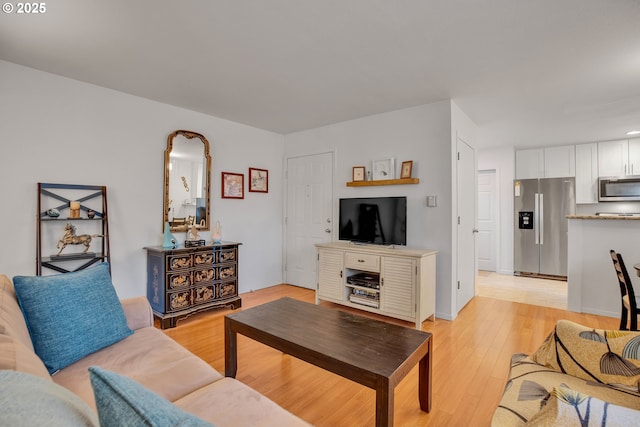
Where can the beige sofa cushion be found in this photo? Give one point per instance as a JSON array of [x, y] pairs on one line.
[[16, 356], [138, 312], [11, 319], [229, 402], [149, 357]]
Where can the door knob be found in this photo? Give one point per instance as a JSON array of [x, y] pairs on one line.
[[475, 230], [327, 230]]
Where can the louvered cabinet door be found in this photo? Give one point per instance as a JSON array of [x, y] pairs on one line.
[[397, 290], [330, 274]]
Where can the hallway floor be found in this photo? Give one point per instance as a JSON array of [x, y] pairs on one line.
[[543, 292]]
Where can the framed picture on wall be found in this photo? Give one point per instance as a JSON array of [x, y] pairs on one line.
[[232, 185], [357, 173], [384, 169], [405, 171], [258, 180]]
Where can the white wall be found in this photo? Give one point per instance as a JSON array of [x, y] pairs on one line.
[[421, 134], [502, 160], [60, 130]]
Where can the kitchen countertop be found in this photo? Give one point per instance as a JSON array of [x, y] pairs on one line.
[[601, 217]]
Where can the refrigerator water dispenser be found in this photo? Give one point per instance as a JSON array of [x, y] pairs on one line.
[[525, 220]]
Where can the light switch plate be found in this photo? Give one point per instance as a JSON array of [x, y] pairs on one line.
[[432, 201]]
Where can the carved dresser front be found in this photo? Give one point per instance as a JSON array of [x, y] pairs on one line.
[[185, 280]]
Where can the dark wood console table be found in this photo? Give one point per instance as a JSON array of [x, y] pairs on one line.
[[182, 281], [370, 352]]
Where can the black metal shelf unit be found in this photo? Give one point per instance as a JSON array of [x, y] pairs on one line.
[[56, 199]]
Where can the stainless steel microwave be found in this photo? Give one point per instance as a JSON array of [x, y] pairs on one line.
[[614, 189]]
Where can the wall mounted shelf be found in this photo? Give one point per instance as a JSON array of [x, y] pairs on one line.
[[383, 182], [92, 200]]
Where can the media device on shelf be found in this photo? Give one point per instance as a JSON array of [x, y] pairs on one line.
[[366, 280], [376, 220], [364, 289]]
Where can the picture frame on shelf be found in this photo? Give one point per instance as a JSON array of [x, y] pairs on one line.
[[407, 167], [232, 185], [384, 169], [258, 180], [358, 173]]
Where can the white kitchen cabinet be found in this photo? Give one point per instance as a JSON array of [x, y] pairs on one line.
[[619, 158], [587, 173], [634, 156], [549, 162], [395, 282], [613, 157], [530, 163], [559, 162]]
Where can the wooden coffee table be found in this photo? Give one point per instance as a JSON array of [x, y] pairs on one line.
[[370, 352]]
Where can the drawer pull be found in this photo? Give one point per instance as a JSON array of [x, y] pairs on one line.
[[360, 260]]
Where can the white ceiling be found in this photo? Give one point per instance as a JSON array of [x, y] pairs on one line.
[[527, 72]]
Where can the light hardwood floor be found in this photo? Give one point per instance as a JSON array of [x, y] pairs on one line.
[[470, 363], [528, 290]]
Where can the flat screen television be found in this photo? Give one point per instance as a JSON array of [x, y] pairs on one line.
[[376, 220]]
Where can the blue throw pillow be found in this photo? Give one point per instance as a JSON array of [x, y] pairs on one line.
[[123, 402], [27, 400], [71, 315]]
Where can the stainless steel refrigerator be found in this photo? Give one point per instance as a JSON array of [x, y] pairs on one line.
[[540, 237]]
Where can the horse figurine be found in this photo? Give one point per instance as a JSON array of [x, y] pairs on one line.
[[70, 238]]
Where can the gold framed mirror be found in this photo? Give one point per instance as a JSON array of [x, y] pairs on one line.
[[187, 181]]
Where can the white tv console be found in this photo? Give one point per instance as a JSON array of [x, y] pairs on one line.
[[399, 282]]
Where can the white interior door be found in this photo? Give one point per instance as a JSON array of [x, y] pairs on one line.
[[487, 221], [309, 216], [466, 197]]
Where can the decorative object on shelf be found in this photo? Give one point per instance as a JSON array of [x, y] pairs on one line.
[[70, 238], [187, 180], [384, 169], [53, 213], [258, 180], [232, 185], [194, 243], [369, 176], [216, 235], [169, 240], [407, 167], [91, 214], [74, 210], [357, 173], [193, 234]]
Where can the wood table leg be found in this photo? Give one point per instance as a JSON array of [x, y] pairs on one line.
[[424, 380], [384, 404], [230, 350]]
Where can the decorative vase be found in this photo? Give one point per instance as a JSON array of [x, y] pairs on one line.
[[216, 235], [169, 240]]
